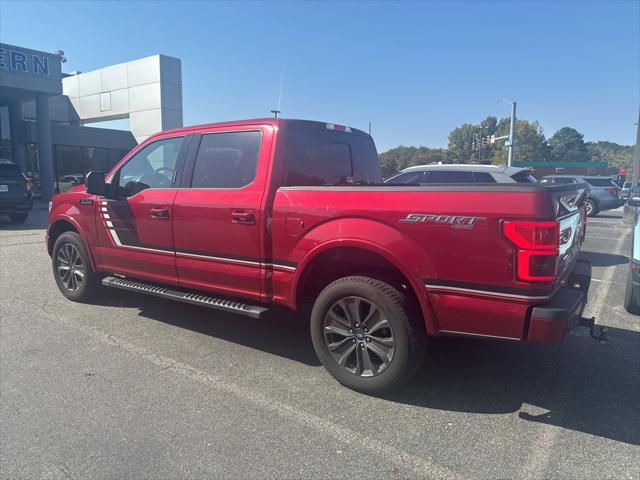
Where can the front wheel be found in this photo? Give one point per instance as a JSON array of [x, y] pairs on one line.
[[366, 334], [72, 268]]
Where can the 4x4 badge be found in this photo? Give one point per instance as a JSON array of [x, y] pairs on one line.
[[456, 221]]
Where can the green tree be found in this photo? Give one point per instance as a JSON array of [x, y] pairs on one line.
[[529, 145], [460, 143], [620, 156], [401, 157], [567, 145]]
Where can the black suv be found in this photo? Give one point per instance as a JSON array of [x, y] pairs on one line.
[[16, 198]]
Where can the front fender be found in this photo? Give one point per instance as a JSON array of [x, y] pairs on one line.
[[378, 238], [81, 217]]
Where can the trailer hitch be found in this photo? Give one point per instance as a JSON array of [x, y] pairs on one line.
[[590, 323]]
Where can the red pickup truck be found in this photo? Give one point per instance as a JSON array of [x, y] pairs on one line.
[[242, 216]]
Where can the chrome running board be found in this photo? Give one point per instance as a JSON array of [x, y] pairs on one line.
[[194, 298]]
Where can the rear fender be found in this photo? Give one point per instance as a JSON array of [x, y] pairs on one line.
[[398, 249]]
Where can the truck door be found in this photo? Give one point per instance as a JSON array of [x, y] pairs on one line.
[[135, 229], [219, 219]]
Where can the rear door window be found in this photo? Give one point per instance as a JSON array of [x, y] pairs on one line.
[[563, 180], [227, 160], [450, 176], [483, 177]]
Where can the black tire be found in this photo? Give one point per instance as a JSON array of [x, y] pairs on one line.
[[394, 322], [74, 276], [592, 208], [18, 217], [631, 296]]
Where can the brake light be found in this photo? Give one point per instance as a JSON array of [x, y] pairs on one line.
[[612, 191], [29, 184], [537, 244], [340, 128]]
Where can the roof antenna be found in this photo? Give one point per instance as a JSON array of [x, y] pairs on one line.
[[276, 112]]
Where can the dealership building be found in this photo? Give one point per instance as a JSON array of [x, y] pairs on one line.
[[45, 114]]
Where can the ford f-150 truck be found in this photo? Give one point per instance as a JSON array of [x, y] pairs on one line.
[[244, 216]]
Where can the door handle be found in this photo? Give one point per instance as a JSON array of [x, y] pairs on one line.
[[160, 213], [243, 217]]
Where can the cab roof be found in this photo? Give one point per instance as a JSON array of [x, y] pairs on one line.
[[275, 122]]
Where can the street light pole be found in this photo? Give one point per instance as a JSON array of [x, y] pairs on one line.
[[636, 156], [512, 130]]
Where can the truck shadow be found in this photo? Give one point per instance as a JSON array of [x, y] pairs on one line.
[[579, 385], [282, 333], [599, 259]]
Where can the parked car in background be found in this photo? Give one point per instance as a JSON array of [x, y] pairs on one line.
[[68, 181], [604, 194], [624, 193], [462, 173], [632, 294], [16, 198]]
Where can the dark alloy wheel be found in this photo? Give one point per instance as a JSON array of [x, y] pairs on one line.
[[367, 334], [592, 209], [72, 268], [359, 336]]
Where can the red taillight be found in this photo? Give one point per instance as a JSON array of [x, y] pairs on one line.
[[537, 244], [29, 184], [612, 191], [533, 235]]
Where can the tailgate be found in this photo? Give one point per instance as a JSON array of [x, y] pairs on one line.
[[569, 207]]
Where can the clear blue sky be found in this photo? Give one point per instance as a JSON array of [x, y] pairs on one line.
[[415, 69]]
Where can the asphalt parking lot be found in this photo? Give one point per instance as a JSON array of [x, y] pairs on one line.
[[137, 387]]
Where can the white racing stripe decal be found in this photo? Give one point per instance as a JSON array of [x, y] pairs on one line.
[[114, 236]]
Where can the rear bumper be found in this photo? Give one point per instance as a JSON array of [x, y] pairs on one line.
[[550, 322], [611, 204], [15, 206]]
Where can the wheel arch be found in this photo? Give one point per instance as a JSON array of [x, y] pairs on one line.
[[349, 256], [62, 225]]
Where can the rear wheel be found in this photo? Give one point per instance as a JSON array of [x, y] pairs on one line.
[[72, 268], [366, 334], [18, 217], [592, 208]]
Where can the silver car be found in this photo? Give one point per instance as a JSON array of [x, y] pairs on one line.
[[604, 194], [461, 173]]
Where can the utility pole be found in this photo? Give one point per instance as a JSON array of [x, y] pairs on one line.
[[512, 132], [636, 156], [275, 113], [512, 129]]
